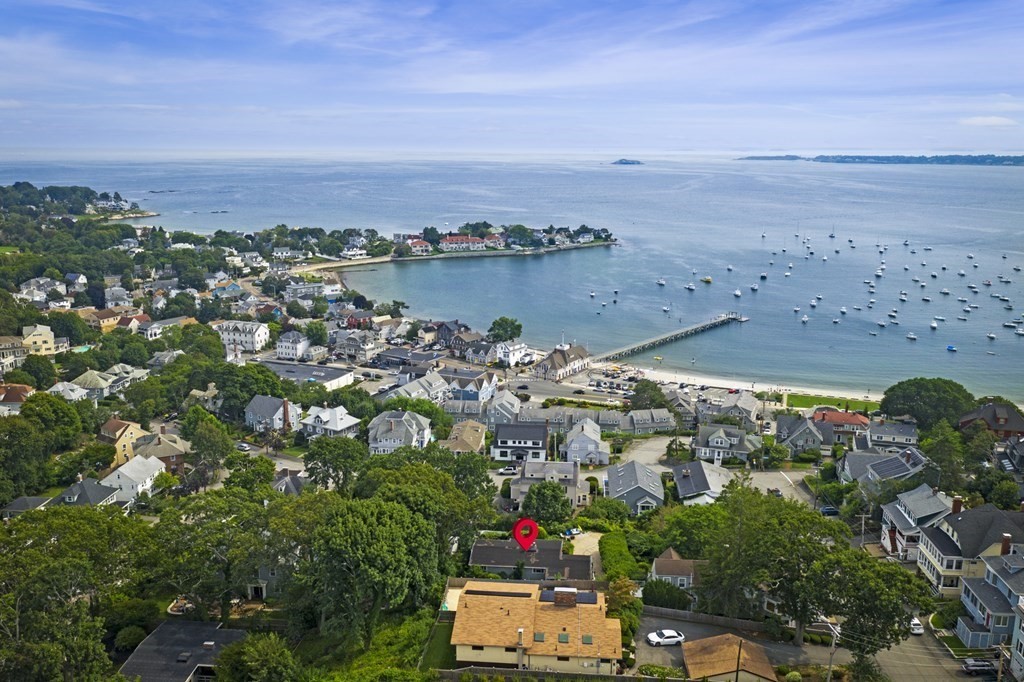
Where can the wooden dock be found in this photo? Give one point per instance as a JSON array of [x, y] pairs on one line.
[[692, 330]]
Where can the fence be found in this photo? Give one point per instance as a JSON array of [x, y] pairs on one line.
[[478, 673], [693, 617]]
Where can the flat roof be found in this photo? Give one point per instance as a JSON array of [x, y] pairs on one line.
[[158, 658], [303, 371]]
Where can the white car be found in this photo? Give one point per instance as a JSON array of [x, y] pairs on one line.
[[243, 447], [915, 627], [507, 470], [665, 638]]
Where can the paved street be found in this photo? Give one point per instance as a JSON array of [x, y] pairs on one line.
[[917, 658]]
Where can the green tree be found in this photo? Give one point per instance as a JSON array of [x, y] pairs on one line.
[[689, 529], [296, 310], [316, 332], [440, 421], [647, 395], [607, 508], [945, 448], [260, 657], [929, 401], [252, 473], [44, 374], [332, 462], [192, 419], [19, 376], [1005, 495], [23, 459], [872, 597], [504, 329], [56, 420], [545, 503], [211, 445]]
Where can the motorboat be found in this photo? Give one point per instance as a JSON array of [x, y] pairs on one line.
[[951, 348], [991, 336], [804, 319], [764, 275], [753, 287], [835, 320], [912, 336], [926, 299], [592, 294], [690, 287], [882, 323], [961, 273], [944, 292], [856, 307], [961, 299], [660, 281], [729, 268], [818, 296], [843, 310], [934, 324], [796, 309], [939, 318], [706, 280], [814, 303], [737, 293]]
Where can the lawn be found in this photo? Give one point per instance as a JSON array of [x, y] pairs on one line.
[[8, 249], [960, 651], [801, 401], [439, 654]]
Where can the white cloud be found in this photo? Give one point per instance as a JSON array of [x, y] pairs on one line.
[[988, 121]]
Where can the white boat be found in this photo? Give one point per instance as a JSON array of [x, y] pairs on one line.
[[912, 336], [665, 308], [935, 275], [691, 287], [856, 307], [927, 248], [660, 281], [753, 287], [604, 303], [764, 275], [592, 294], [934, 324], [843, 310], [814, 303], [878, 273], [835, 320], [1019, 332], [939, 318], [991, 336], [824, 258], [962, 273], [873, 333], [787, 274], [944, 292], [1010, 325], [729, 268], [804, 319], [819, 297], [961, 317], [926, 299], [796, 309], [903, 297], [961, 299], [970, 255], [737, 293], [790, 266], [882, 323]]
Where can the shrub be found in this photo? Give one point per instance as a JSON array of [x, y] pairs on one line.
[[665, 594], [815, 638], [808, 456], [782, 669], [128, 638], [651, 670], [794, 676], [615, 557]]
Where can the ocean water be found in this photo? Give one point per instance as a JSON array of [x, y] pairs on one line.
[[672, 217]]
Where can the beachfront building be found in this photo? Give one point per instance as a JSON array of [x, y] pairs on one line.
[[564, 361], [1001, 419], [462, 242], [846, 426], [419, 247]]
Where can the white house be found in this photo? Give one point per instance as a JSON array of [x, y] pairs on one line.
[[248, 336], [507, 352], [292, 345], [391, 430], [329, 421], [134, 477]]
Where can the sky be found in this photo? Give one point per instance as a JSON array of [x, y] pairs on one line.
[[517, 76]]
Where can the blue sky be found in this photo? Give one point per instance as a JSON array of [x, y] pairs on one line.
[[518, 76]]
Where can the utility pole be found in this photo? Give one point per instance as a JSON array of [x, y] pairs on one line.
[[863, 520], [832, 650]]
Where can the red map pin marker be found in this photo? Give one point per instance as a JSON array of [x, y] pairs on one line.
[[525, 532]]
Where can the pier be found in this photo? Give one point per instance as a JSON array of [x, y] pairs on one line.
[[692, 330]]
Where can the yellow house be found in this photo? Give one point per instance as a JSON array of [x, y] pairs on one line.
[[519, 625], [122, 435], [38, 340]]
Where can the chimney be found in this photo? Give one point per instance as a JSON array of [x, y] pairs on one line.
[[935, 491], [1004, 549], [285, 424], [163, 429], [565, 596], [958, 504], [906, 456]]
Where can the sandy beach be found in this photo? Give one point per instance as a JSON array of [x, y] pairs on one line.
[[694, 377]]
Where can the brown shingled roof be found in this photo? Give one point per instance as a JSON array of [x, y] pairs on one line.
[[715, 656]]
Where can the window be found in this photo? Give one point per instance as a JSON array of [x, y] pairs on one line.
[[1001, 621], [563, 658], [563, 638], [477, 648], [588, 639], [538, 636], [510, 649]]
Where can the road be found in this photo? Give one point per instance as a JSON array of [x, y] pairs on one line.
[[917, 658]]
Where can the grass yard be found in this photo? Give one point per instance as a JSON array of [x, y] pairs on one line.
[[961, 651], [801, 401], [439, 654], [8, 249]]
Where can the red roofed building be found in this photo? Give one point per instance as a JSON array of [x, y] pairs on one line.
[[845, 425], [1001, 419], [495, 241], [12, 396], [419, 247], [461, 242]]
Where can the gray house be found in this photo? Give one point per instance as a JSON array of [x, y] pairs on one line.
[[265, 413], [715, 443], [583, 444], [566, 474], [799, 434], [519, 443], [636, 485], [543, 561], [391, 430], [700, 482]]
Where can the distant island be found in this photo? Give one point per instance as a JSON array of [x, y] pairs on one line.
[[627, 162], [944, 160]]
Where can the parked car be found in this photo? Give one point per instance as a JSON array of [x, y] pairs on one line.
[[665, 638], [522, 387], [775, 491], [829, 510], [916, 628], [509, 470], [573, 532], [578, 391], [977, 666], [243, 447]]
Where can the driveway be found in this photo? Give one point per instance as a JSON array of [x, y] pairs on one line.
[[588, 544], [789, 482]]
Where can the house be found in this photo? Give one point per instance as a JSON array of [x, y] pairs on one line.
[[892, 436], [461, 242], [289, 483], [98, 385], [494, 241], [685, 407], [288, 253], [700, 482], [87, 492], [656, 420], [528, 627], [503, 408], [564, 361], [163, 358], [208, 399], [717, 443], [226, 290], [672, 568], [904, 517], [133, 478], [508, 353], [466, 436], [461, 410], [330, 377], [990, 599], [724, 658], [635, 484], [248, 336], [477, 352], [68, 391], [122, 435], [418, 247], [23, 504], [132, 322], [462, 341], [519, 443], [13, 396], [846, 426], [76, 282], [267, 413], [799, 434], [179, 651], [448, 330], [391, 430], [1001, 419], [359, 346], [155, 329], [953, 549], [301, 288], [116, 296], [583, 444], [870, 469], [12, 353], [743, 406], [291, 345], [170, 449], [566, 474], [39, 340], [44, 285], [430, 387], [469, 384], [125, 375], [329, 421], [543, 561]]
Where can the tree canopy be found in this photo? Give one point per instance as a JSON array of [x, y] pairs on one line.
[[928, 401]]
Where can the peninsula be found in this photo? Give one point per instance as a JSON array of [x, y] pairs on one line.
[[943, 160]]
